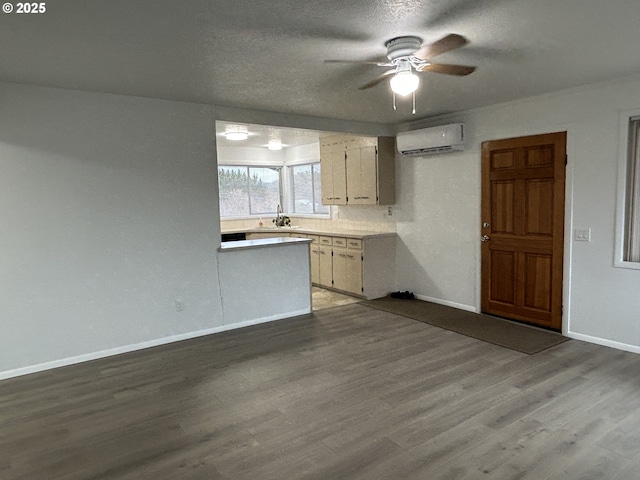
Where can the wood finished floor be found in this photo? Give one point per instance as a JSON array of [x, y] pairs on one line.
[[344, 393]]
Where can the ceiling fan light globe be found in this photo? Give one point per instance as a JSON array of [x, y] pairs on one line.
[[404, 83]]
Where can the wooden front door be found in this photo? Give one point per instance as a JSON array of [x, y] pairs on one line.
[[522, 228]]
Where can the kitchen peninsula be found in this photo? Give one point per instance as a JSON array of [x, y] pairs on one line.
[[264, 279], [357, 262]]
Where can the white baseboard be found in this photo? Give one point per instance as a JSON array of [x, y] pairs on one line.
[[140, 346], [447, 303], [604, 342]]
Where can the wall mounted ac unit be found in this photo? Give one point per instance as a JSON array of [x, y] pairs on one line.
[[427, 141]]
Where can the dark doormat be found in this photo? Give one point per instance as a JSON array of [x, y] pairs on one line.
[[490, 329]]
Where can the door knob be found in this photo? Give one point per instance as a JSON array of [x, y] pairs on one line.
[[485, 238]]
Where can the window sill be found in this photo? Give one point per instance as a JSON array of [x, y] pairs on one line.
[[273, 215], [627, 265]]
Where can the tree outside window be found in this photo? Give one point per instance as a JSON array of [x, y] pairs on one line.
[[306, 189], [249, 190]]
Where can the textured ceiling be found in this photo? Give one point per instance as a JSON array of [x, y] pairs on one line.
[[268, 54]]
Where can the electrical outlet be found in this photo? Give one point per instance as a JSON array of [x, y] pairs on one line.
[[179, 305], [582, 235], [389, 212]]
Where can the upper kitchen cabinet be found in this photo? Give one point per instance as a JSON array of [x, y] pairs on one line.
[[333, 175], [361, 167]]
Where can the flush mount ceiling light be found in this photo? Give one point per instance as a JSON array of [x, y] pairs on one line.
[[236, 135], [274, 145]]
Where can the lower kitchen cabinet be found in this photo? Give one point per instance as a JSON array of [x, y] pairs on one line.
[[359, 266], [347, 270], [321, 261]]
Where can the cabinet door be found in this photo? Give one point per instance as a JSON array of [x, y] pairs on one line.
[[339, 175], [369, 175], [325, 266], [354, 272], [362, 176], [333, 178], [326, 177], [340, 269], [315, 264], [354, 176]]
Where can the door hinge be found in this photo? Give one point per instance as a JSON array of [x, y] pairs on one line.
[[566, 159]]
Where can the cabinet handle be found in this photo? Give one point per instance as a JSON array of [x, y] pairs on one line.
[[321, 253], [350, 256], [354, 244], [364, 198]]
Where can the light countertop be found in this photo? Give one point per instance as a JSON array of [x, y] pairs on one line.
[[260, 243], [310, 231]]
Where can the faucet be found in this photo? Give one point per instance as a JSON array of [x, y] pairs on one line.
[[281, 220]]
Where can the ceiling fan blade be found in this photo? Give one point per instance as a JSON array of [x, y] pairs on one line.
[[379, 64], [377, 80], [459, 70], [450, 42]]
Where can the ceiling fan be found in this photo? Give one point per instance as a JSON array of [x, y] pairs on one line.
[[407, 54]]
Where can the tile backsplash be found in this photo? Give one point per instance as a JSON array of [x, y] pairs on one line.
[[372, 218]]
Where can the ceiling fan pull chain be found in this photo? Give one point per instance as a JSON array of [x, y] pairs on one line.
[[413, 112], [394, 101]]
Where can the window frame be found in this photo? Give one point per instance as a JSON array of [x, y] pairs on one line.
[[291, 194], [623, 189], [248, 167]]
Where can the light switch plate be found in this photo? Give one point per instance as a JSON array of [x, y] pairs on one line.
[[582, 235]]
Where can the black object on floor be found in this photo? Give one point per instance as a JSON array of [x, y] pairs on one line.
[[402, 295]]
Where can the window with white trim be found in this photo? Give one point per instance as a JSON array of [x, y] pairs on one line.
[[631, 240], [306, 190], [246, 190], [627, 237]]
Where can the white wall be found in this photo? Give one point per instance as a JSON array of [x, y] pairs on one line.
[[249, 156], [108, 213], [302, 154], [267, 283], [438, 211]]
